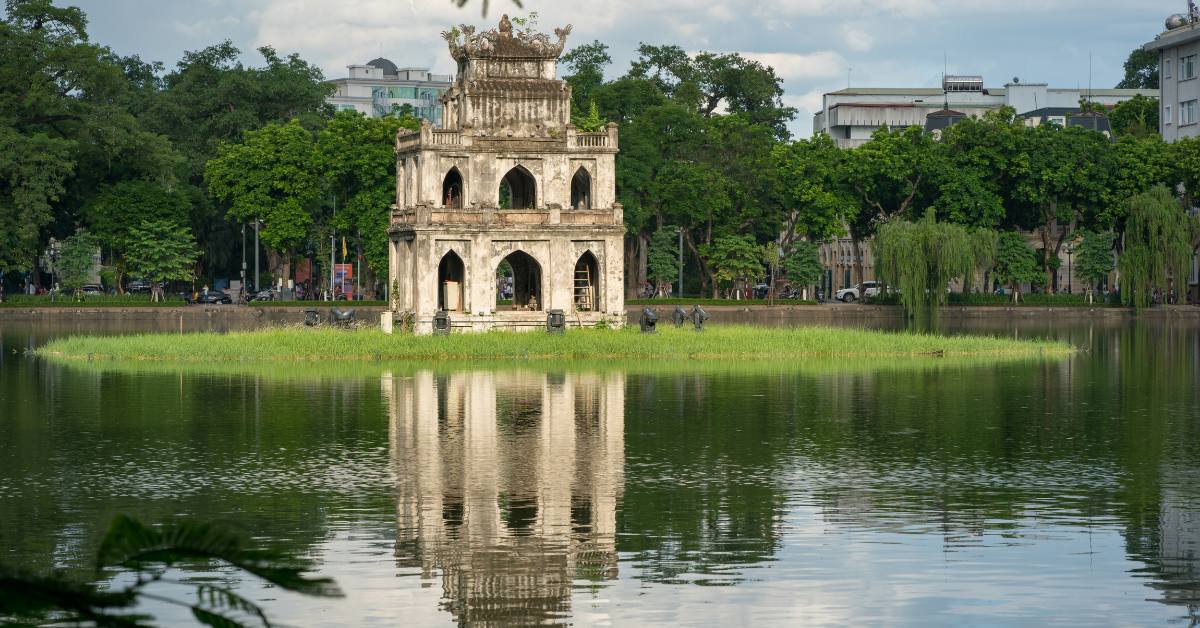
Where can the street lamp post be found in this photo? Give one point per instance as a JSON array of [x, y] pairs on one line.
[[256, 255]]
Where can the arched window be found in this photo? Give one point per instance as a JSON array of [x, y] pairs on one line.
[[581, 189], [451, 277], [452, 190], [518, 190], [587, 283], [519, 283]]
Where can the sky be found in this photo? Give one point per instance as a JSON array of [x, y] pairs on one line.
[[815, 46]]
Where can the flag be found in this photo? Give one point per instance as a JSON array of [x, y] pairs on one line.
[[343, 247]]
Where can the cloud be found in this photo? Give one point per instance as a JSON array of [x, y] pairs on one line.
[[207, 28], [856, 39], [791, 66]]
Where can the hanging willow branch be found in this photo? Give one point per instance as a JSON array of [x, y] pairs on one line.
[[1157, 246], [920, 259]]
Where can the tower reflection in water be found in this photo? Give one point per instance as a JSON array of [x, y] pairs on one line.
[[508, 486]]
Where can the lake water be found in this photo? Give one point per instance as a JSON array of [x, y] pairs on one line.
[[1032, 493]]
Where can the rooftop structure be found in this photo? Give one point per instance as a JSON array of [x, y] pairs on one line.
[[379, 87], [851, 115]]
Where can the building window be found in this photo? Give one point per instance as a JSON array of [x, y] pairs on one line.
[[1166, 68], [1187, 112], [1187, 67], [1168, 118]]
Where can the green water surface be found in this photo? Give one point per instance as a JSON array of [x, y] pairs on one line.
[[1059, 492]]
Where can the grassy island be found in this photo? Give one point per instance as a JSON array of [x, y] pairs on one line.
[[716, 343]]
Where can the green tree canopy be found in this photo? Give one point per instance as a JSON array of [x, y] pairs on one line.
[[75, 261], [733, 258], [1137, 116], [271, 176], [802, 265], [663, 258], [920, 259], [1016, 262], [1094, 257], [1157, 247], [159, 251], [1141, 70], [355, 154]]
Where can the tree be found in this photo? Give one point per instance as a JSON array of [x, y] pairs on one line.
[[1065, 183], [709, 82], [1141, 70], [271, 176], [66, 128], [117, 209], [585, 64], [802, 265], [983, 249], [816, 201], [147, 551], [355, 155], [888, 176], [74, 262], [734, 259], [592, 122], [920, 259], [1094, 258], [1016, 262], [160, 251], [663, 259], [1158, 247], [1137, 116]]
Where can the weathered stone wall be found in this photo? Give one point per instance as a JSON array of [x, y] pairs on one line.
[[506, 112]]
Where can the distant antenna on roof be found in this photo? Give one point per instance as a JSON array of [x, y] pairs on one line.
[[848, 71], [945, 90]]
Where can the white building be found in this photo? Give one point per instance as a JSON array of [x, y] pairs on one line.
[[851, 115], [379, 87], [1178, 51]]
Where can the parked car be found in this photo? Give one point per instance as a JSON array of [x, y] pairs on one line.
[[270, 294], [93, 289], [213, 297], [862, 290], [142, 285]]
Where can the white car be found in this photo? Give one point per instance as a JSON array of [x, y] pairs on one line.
[[864, 289]]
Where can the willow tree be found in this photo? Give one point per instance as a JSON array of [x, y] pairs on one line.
[[920, 259], [1157, 246], [983, 251]]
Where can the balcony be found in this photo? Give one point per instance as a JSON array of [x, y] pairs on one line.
[[555, 141], [424, 214]]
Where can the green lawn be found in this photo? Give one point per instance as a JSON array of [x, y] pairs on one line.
[[725, 342]]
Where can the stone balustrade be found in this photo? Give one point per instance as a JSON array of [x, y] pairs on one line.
[[425, 214]]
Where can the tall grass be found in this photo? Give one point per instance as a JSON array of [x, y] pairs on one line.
[[716, 343]]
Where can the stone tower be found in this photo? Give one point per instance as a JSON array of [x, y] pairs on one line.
[[509, 211]]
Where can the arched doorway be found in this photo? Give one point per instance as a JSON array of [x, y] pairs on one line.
[[451, 280], [581, 189], [452, 190], [587, 283], [519, 283], [518, 190]]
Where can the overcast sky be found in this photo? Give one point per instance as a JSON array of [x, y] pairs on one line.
[[814, 45]]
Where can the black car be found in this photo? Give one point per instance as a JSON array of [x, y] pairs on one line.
[[142, 285], [213, 297]]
